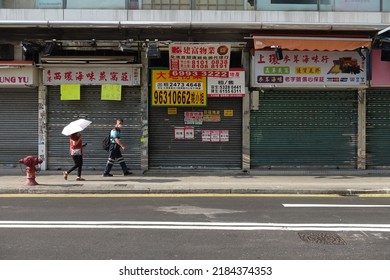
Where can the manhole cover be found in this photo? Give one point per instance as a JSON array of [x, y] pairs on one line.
[[321, 238]]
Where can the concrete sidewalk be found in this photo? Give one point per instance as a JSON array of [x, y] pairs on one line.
[[342, 182]]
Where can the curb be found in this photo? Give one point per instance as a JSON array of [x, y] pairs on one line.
[[349, 192]]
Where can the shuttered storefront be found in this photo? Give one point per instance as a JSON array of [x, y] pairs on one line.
[[378, 128], [304, 129], [103, 114], [166, 152], [18, 126]]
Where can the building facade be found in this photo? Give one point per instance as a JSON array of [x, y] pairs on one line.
[[300, 86]]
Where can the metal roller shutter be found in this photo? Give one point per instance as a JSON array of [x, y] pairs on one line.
[[304, 129], [18, 126], [378, 128], [166, 152], [103, 115]]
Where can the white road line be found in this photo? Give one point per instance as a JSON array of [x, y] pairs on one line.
[[193, 225], [337, 205]]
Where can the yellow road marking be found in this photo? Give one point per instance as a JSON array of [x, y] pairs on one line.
[[373, 195], [154, 195]]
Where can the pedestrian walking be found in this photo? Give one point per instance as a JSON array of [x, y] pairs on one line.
[[76, 152], [115, 153]]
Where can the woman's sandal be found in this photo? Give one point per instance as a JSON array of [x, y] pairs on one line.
[[65, 175], [80, 179]]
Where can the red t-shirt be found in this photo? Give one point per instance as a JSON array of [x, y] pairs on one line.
[[75, 143]]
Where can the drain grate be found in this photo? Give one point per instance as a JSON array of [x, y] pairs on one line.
[[326, 238]]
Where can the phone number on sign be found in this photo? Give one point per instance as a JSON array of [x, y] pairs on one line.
[[179, 97]]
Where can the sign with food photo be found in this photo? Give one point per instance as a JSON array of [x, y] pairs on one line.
[[309, 68]]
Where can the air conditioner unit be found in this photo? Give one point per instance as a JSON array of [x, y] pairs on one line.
[[6, 52]]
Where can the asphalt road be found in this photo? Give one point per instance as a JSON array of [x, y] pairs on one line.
[[194, 228]]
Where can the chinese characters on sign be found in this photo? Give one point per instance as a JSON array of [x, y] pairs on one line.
[[211, 116], [309, 68], [199, 57], [193, 118], [177, 91], [184, 133], [92, 76], [231, 86], [215, 136]]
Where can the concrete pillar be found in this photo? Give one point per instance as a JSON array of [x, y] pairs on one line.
[[246, 132], [144, 112], [42, 124], [245, 60], [361, 141]]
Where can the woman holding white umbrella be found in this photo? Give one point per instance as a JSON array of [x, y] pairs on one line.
[[76, 152], [76, 146]]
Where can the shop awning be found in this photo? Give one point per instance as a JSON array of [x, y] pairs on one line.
[[311, 43], [15, 63]]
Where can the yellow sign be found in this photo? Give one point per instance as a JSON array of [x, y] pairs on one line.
[[111, 92], [177, 91], [172, 111], [228, 113], [70, 92]]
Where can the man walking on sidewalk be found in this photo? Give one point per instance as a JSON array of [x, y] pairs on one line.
[[115, 151]]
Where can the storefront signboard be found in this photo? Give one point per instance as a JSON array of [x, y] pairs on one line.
[[231, 86], [18, 76], [199, 58], [309, 69], [177, 91], [127, 76]]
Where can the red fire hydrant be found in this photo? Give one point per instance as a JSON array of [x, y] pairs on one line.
[[30, 162]]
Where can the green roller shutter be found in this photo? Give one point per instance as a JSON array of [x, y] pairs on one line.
[[378, 128], [304, 129]]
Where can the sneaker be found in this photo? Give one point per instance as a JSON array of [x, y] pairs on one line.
[[127, 173], [107, 175]]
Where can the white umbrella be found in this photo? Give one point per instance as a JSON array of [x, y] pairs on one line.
[[75, 126]]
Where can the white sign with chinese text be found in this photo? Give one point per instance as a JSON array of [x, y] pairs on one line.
[[309, 69], [184, 133], [232, 86], [19, 76], [199, 57], [128, 76], [193, 118], [224, 135]]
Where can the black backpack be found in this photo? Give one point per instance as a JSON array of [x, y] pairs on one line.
[[106, 142]]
